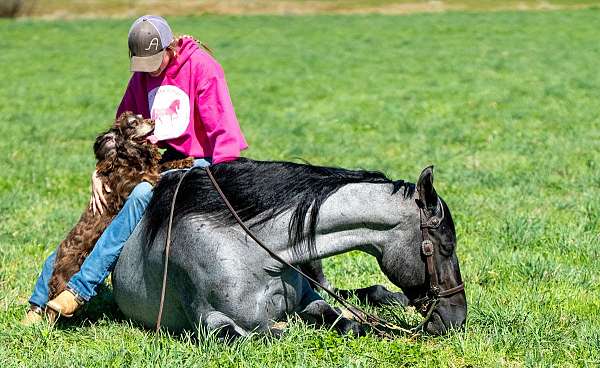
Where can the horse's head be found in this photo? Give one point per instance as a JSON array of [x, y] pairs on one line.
[[424, 263]]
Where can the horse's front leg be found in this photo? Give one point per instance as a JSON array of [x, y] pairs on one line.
[[375, 295], [314, 269], [321, 314], [315, 311]]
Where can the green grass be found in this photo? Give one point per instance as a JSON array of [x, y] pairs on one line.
[[504, 104]]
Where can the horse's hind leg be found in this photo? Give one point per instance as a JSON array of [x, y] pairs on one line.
[[224, 326]]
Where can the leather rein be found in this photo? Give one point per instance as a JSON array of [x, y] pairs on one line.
[[382, 327]]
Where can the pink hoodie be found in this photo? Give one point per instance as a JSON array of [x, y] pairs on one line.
[[191, 105]]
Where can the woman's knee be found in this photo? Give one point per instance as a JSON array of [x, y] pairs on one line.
[[141, 193]]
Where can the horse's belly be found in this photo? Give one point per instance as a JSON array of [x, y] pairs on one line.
[[271, 301], [212, 270], [137, 287]]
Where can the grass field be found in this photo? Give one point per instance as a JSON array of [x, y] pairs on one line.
[[504, 104], [123, 8]]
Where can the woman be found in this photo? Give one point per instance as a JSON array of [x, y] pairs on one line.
[[178, 83]]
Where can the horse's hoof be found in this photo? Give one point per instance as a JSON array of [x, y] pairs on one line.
[[279, 325], [347, 326], [278, 329], [396, 298]]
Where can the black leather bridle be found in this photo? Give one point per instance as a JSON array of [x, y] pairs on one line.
[[427, 303]]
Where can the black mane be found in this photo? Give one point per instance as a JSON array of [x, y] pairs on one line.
[[259, 191]]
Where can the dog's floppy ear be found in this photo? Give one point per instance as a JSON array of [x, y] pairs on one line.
[[105, 149], [106, 166], [104, 144]]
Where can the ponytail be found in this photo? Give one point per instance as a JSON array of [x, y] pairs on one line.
[[173, 47]]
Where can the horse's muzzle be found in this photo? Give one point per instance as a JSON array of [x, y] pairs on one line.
[[447, 316]]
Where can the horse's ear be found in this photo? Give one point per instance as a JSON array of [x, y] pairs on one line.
[[428, 197]]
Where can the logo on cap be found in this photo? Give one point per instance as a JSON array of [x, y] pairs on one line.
[[154, 42]]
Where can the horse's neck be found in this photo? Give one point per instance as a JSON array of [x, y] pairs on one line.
[[363, 217]]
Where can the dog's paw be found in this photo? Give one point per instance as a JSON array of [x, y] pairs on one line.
[[185, 163]]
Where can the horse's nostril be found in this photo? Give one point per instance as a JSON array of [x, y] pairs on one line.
[[435, 326]]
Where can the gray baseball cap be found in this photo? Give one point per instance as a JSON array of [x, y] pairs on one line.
[[148, 37]]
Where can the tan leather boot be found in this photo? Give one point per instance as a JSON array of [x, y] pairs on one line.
[[34, 316], [65, 304]]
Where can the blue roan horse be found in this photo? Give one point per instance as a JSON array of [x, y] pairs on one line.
[[219, 278]]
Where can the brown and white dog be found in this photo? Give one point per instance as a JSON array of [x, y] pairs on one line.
[[124, 159]]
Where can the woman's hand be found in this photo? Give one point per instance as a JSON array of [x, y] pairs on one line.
[[97, 201]]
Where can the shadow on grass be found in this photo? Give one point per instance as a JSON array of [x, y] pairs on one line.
[[101, 308]]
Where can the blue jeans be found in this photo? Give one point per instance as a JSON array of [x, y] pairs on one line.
[[101, 261]]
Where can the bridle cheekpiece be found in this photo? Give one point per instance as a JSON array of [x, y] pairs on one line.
[[428, 303]]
